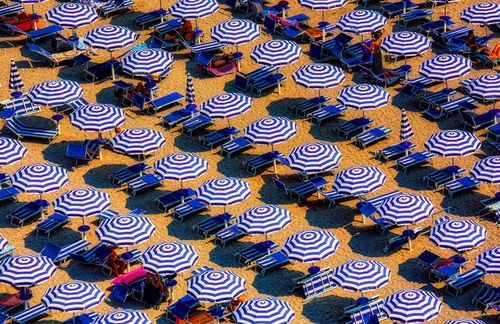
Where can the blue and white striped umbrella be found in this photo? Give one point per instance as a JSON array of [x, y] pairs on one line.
[[484, 13], [271, 130], [458, 235], [110, 37], [487, 170], [485, 87], [217, 286], [97, 117], [363, 97], [406, 209], [236, 31], [125, 230], [226, 105], [464, 321], [39, 178], [264, 310], [55, 92], [169, 258], [322, 4], [16, 84], [361, 275], [181, 166], [405, 44], [264, 219], [3, 242], [489, 260], [193, 9], [361, 21], [445, 67], [276, 52], [82, 202], [310, 245], [319, 76], [412, 306], [137, 141], [73, 296], [147, 62], [223, 191], [125, 316], [72, 15], [190, 94], [453, 143], [314, 157], [11, 151], [406, 132], [359, 180], [26, 270]]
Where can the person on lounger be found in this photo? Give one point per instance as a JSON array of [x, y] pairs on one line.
[[186, 31], [221, 61], [492, 54], [154, 290], [116, 264]]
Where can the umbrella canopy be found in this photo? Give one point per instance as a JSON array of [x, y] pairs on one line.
[[136, 141], [445, 67], [264, 310], [484, 13], [217, 286], [55, 92], [110, 37], [356, 181], [363, 97], [82, 202], [39, 178], [192, 9], [169, 258], [190, 95], [226, 105], [487, 170], [319, 76], [15, 82], [11, 151], [181, 166], [264, 219], [97, 117], [361, 21], [125, 316], [310, 245], [406, 209], [464, 321], [276, 52], [489, 260], [458, 235], [412, 306], [236, 31], [223, 191], [72, 15], [125, 230], [485, 87], [453, 143], [3, 242], [147, 62], [362, 275], [271, 130], [406, 132], [315, 157], [405, 44], [26, 270], [73, 296], [322, 4]]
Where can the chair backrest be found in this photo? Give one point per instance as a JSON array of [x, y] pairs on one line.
[[270, 24], [366, 208], [204, 58], [231, 3], [102, 252], [241, 82], [315, 50], [50, 250], [139, 101], [343, 39], [120, 292], [441, 220], [37, 49], [280, 185]]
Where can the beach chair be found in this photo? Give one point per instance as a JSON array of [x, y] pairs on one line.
[[430, 99], [272, 261], [7, 251], [129, 284], [217, 137], [166, 202], [195, 124], [101, 72], [188, 208], [5, 180], [78, 104], [114, 6], [244, 81], [457, 284], [368, 210], [352, 127], [30, 210], [305, 107], [19, 107], [349, 63], [395, 150], [413, 160], [263, 161], [9, 194], [52, 223], [434, 26], [129, 173], [316, 284], [236, 145], [30, 314], [60, 254], [256, 251], [87, 151], [326, 113], [178, 116], [269, 82], [41, 33], [379, 200], [371, 136], [211, 225], [229, 234], [204, 64], [486, 298], [417, 86], [8, 304], [333, 196], [475, 121], [167, 100], [398, 242], [397, 8], [414, 15], [149, 18], [369, 312], [384, 80], [447, 108], [439, 177], [460, 185], [21, 130], [301, 190], [107, 214], [180, 309], [54, 58], [428, 259], [488, 61], [87, 318], [167, 26], [145, 182]]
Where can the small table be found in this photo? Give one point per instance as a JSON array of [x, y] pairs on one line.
[[362, 300], [198, 36], [314, 269], [238, 57]]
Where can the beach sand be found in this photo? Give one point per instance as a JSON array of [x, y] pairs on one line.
[[357, 240]]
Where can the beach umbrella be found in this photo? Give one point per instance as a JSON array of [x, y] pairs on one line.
[[276, 52], [271, 130], [3, 242], [97, 118], [485, 87], [489, 260], [125, 316], [226, 105], [361, 21], [216, 286], [137, 141], [359, 180], [484, 14], [223, 191], [15, 82], [322, 5], [39, 178], [458, 235], [194, 9], [125, 230], [11, 151], [406, 132], [181, 166], [487, 170], [169, 258], [361, 275], [72, 15], [147, 62], [236, 31], [445, 67], [73, 296], [363, 97], [464, 321], [264, 219], [314, 157], [412, 306], [190, 95], [452, 143], [405, 44], [264, 310], [32, 3], [318, 76], [55, 93]]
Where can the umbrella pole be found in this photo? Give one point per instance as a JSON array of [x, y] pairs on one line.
[[74, 38], [112, 65]]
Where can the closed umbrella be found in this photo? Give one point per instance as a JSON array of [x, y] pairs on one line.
[[15, 82]]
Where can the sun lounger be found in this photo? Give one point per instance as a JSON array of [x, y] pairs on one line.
[[13, 9], [460, 185], [301, 190], [396, 243], [129, 173], [31, 210], [210, 47], [395, 9], [151, 17], [167, 26], [431, 99], [326, 113], [109, 213], [414, 15], [486, 298], [147, 181], [494, 132], [434, 26], [114, 6], [488, 61], [447, 108], [269, 82], [379, 200], [6, 252], [457, 284], [19, 107], [167, 100], [87, 151], [9, 194], [395, 150], [52, 223], [414, 159], [272, 261], [101, 72], [417, 86], [54, 58], [78, 104], [330, 49], [8, 304], [333, 196], [211, 225], [372, 135], [369, 312], [444, 269], [368, 210], [256, 251], [428, 259], [129, 284], [204, 64], [263, 161], [235, 146], [59, 254], [437, 178], [166, 202], [305, 107], [180, 309], [382, 79], [229, 234], [217, 137], [5, 180], [475, 121], [188, 208], [353, 126], [351, 62], [177, 117], [87, 318], [317, 284], [30, 314], [21, 130], [45, 32], [195, 124], [244, 81]]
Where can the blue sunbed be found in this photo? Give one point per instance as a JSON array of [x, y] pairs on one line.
[[395, 150], [210, 225], [167, 202], [52, 223], [256, 251], [372, 135], [145, 182], [167, 100], [263, 161], [188, 208], [353, 126], [195, 124], [217, 137], [270, 262], [129, 173], [460, 185], [456, 284], [21, 130], [9, 193], [59, 254], [30, 314], [414, 159], [229, 234]]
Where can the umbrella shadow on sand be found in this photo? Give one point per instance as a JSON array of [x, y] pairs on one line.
[[412, 179], [361, 234], [464, 204], [413, 271], [56, 153], [319, 215], [224, 257], [284, 107], [184, 230], [327, 309], [188, 144], [98, 177], [276, 282]]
